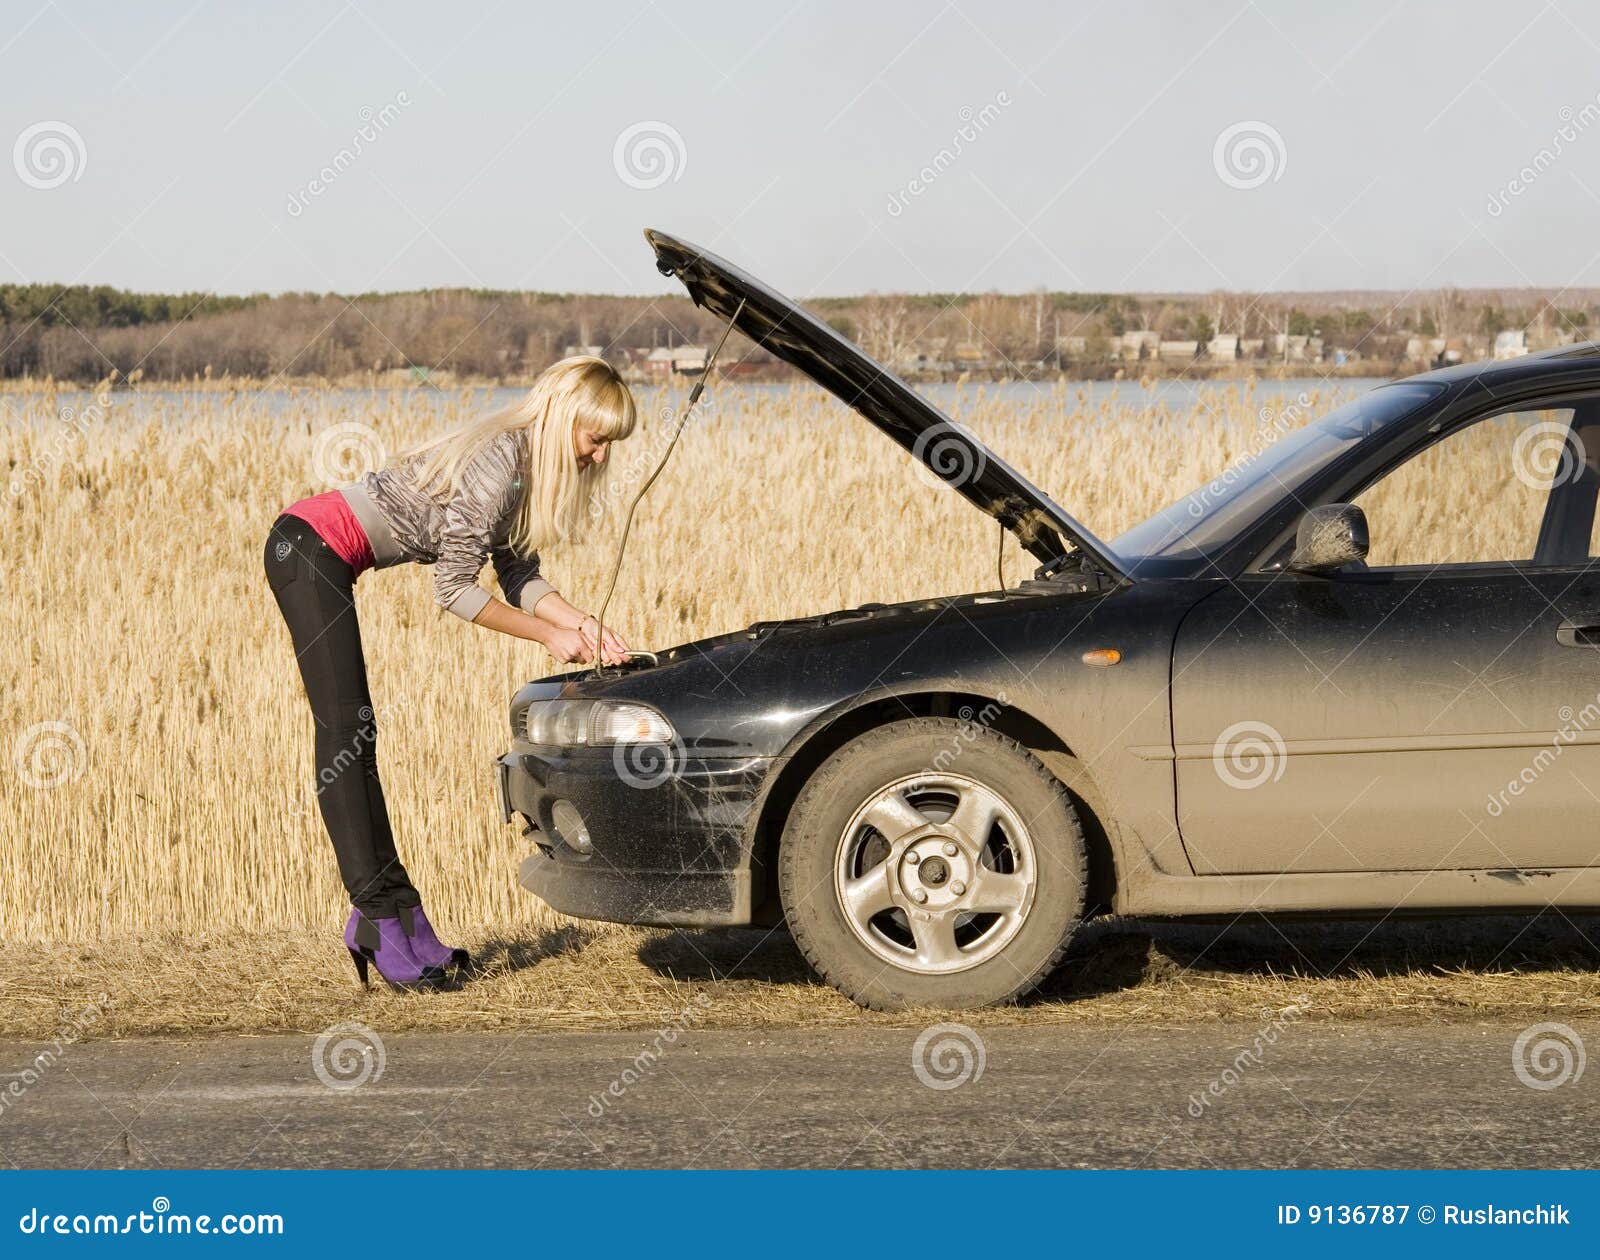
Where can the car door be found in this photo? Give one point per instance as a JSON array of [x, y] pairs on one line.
[[1434, 709]]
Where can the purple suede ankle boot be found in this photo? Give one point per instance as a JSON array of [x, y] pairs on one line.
[[425, 943], [384, 944]]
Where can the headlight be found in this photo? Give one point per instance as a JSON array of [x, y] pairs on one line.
[[595, 722]]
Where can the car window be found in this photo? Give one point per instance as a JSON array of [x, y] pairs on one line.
[[1210, 518], [1477, 496]]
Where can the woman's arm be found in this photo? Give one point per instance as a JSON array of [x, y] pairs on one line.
[[552, 606], [565, 643]]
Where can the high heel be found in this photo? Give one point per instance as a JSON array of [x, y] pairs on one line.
[[425, 944], [382, 944]]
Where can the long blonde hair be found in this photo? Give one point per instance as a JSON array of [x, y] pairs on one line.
[[583, 390]]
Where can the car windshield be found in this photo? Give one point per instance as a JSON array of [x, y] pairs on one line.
[[1205, 521]]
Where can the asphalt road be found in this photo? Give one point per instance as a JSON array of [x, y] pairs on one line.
[[1310, 1094]]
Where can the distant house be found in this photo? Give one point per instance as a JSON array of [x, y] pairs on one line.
[[1252, 347], [1178, 349], [922, 363], [1510, 343], [1297, 348], [1072, 347], [1144, 344], [1225, 347], [676, 361], [593, 352]]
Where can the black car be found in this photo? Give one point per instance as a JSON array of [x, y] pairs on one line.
[[1232, 707]]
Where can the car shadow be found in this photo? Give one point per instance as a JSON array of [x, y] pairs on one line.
[[502, 954], [764, 954], [1111, 955]]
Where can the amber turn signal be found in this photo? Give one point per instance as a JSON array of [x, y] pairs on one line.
[[1102, 656]]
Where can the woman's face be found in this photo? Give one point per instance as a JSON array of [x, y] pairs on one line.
[[589, 447]]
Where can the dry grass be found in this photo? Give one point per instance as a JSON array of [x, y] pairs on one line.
[[136, 612], [594, 976], [180, 861]]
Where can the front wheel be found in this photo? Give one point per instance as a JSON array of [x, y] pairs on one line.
[[931, 862]]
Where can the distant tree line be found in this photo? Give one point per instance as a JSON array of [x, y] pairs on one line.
[[90, 333]]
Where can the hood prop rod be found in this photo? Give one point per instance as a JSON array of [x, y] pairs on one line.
[[627, 525]]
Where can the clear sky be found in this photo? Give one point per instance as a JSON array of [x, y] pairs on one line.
[[1182, 146]]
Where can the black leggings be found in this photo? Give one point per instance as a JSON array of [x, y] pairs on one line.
[[315, 591]]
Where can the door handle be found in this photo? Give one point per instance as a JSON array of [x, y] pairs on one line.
[[1584, 632]]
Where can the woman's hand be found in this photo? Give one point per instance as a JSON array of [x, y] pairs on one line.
[[569, 646], [616, 649]]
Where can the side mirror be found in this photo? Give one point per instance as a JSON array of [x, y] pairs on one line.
[[1329, 537]]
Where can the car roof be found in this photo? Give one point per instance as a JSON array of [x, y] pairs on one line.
[[1578, 359]]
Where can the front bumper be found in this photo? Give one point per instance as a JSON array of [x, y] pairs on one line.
[[670, 837]]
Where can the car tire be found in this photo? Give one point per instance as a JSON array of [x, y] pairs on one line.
[[871, 895]]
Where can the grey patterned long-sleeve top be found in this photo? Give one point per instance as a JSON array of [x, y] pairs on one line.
[[456, 532]]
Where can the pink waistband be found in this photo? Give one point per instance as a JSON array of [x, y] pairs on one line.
[[330, 515]]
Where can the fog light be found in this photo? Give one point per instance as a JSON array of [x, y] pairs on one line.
[[568, 824]]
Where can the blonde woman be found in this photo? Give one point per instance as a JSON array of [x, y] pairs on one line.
[[497, 489]]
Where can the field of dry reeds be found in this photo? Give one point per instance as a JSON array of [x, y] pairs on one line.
[[158, 832]]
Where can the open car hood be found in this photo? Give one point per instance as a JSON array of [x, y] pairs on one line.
[[945, 448]]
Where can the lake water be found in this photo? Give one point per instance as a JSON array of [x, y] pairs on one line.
[[1177, 394]]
